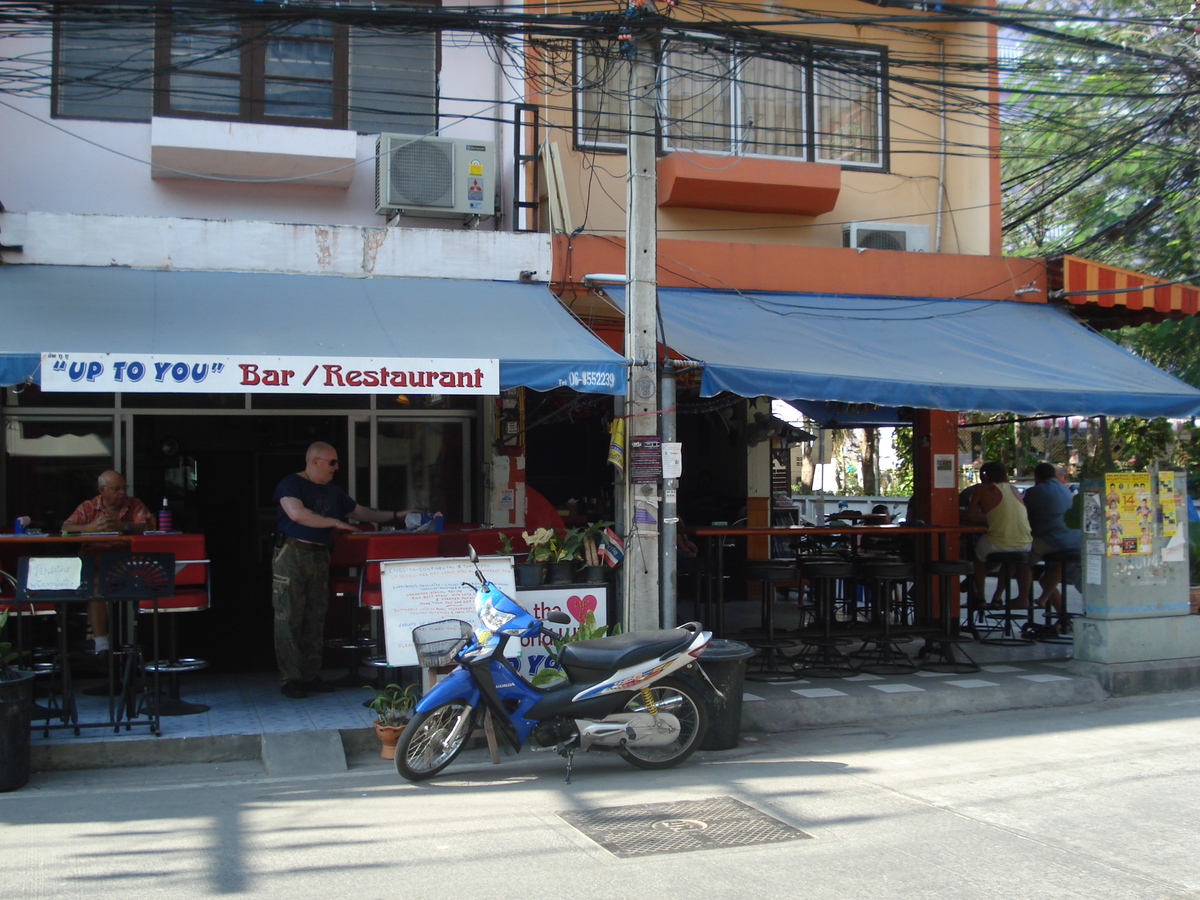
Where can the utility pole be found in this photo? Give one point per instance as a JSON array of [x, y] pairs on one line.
[[643, 514]]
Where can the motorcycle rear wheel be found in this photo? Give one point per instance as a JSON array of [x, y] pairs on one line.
[[680, 700], [422, 750]]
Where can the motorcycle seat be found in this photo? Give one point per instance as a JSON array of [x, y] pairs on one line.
[[604, 655]]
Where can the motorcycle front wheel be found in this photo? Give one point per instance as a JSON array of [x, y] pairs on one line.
[[430, 743], [681, 701]]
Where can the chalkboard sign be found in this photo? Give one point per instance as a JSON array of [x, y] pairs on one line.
[[421, 591]]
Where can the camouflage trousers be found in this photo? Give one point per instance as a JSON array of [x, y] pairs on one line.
[[300, 596]]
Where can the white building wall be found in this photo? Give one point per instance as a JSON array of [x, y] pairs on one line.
[[94, 167]]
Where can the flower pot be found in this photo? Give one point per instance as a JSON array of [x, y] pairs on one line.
[[389, 736], [560, 573], [594, 574], [529, 574], [16, 699]]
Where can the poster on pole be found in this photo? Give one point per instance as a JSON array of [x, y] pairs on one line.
[[1128, 516], [423, 591]]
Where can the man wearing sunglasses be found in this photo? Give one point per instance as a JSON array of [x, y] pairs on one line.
[[311, 507]]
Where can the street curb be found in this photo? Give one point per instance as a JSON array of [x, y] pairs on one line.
[[166, 751]]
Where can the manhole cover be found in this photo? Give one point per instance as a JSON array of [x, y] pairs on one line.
[[680, 827]]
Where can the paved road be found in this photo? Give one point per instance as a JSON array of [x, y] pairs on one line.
[[1095, 801]]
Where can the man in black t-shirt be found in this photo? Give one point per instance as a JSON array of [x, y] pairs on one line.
[[310, 507]]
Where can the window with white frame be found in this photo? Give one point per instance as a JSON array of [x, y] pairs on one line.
[[825, 104]]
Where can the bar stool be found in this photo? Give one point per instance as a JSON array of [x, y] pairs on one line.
[[773, 665], [880, 653], [822, 656], [1005, 635], [941, 651], [1060, 632]]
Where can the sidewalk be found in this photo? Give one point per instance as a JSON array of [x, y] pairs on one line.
[[244, 708]]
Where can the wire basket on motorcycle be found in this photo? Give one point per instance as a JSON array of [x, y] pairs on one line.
[[437, 642]]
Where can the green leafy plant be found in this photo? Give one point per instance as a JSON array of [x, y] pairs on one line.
[[393, 705], [588, 629], [506, 546], [547, 546]]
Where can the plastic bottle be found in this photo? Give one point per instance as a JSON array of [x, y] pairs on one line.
[[164, 517]]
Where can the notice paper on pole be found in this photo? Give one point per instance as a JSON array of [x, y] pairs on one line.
[[422, 591]]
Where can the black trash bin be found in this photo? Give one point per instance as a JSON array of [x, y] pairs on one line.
[[16, 697], [724, 662]]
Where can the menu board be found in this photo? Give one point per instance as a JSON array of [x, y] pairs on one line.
[[423, 591]]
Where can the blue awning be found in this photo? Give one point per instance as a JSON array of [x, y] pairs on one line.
[[90, 309], [990, 356]]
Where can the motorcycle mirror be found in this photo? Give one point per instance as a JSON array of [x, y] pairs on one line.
[[558, 617], [472, 554]]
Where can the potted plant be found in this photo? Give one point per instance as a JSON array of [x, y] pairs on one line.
[[593, 570], [392, 705], [528, 572], [564, 552], [16, 698]]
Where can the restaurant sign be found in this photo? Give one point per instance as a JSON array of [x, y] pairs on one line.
[[164, 373]]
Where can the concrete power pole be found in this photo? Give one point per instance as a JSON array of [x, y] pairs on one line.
[[642, 500]]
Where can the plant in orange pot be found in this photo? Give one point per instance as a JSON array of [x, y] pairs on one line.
[[392, 705]]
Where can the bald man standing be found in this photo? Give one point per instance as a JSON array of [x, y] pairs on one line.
[[311, 508], [110, 510]]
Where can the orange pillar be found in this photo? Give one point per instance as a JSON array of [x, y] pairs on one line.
[[935, 460], [935, 432]]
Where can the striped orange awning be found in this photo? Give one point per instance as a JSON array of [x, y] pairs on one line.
[[1081, 277]]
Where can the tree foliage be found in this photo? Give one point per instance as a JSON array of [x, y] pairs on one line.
[[1100, 144]]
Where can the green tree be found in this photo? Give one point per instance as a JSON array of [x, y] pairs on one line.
[[1101, 139]]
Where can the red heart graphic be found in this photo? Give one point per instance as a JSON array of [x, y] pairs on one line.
[[579, 607]]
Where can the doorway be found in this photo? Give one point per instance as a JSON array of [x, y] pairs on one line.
[[219, 475]]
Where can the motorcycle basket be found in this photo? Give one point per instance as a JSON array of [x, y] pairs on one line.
[[437, 642]]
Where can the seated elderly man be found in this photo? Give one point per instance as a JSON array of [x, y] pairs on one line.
[[110, 510], [996, 504]]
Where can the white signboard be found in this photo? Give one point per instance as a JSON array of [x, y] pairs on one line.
[[150, 372], [576, 600], [58, 573], [422, 591]]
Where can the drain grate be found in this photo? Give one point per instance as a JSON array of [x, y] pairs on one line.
[[680, 827]]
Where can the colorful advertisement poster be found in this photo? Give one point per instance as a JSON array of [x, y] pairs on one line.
[[1169, 503], [1128, 516]]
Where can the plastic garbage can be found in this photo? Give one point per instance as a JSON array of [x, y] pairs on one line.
[[16, 695], [724, 662]]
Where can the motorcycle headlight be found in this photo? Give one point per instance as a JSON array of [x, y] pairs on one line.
[[492, 618]]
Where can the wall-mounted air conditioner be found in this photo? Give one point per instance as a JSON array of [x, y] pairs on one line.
[[886, 236], [432, 176]]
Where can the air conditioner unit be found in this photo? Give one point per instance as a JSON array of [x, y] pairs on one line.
[[886, 236], [433, 176]]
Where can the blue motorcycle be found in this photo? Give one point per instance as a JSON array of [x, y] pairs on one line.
[[618, 694]]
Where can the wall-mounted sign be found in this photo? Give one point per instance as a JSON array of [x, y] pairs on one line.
[[164, 373]]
